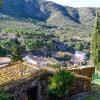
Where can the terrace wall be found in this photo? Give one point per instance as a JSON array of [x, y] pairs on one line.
[[20, 89], [85, 71]]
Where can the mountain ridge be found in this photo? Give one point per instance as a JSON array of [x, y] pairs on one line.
[[69, 19], [44, 10]]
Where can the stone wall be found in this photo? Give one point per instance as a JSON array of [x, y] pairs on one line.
[[84, 71], [38, 85], [20, 90], [82, 84]]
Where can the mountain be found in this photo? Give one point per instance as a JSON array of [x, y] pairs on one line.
[[45, 10], [70, 20]]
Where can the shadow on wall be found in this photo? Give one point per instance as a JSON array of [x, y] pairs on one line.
[[32, 93]]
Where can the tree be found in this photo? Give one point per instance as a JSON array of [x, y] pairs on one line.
[[95, 44], [61, 83], [3, 52], [5, 46], [79, 47], [16, 52]]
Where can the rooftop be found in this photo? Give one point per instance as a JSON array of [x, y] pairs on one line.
[[17, 71], [4, 60]]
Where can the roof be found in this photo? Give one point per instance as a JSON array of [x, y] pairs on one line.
[[17, 71], [29, 60], [4, 60], [80, 55], [60, 54]]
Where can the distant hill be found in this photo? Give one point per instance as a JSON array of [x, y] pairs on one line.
[[67, 19]]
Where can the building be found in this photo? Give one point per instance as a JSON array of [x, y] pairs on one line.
[[79, 58], [30, 60], [35, 86], [35, 60]]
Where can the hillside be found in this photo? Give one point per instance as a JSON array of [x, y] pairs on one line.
[[68, 20]]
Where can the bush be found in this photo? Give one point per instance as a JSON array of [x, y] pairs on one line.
[[64, 58], [5, 96], [79, 46], [61, 83], [54, 65]]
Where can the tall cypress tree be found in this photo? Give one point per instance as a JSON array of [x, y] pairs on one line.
[[95, 44]]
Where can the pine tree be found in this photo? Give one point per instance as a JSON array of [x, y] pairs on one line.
[[95, 44]]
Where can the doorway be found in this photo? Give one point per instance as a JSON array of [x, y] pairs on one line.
[[32, 93]]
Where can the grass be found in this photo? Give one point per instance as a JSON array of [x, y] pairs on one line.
[[93, 97], [96, 90], [96, 78], [96, 81]]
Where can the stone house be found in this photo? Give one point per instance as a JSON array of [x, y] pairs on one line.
[[36, 87]]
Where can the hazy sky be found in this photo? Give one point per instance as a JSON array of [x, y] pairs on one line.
[[78, 3]]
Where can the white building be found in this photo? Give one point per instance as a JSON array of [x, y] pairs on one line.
[[29, 60], [79, 57]]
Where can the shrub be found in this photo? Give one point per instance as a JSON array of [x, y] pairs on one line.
[[5, 96], [54, 65], [61, 83]]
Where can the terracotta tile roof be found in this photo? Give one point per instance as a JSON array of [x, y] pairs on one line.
[[4, 60]]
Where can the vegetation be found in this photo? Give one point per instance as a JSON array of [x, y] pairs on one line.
[[93, 96], [28, 35], [61, 83], [95, 45], [79, 46], [3, 52], [54, 65], [5, 46], [1, 1], [16, 52], [28, 39], [64, 58], [5, 96]]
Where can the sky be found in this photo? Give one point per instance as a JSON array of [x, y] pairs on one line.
[[78, 3]]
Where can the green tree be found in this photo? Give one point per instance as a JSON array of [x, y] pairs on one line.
[[95, 44], [3, 52], [79, 46], [16, 52], [5, 46], [61, 83]]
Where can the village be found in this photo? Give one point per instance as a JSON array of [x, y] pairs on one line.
[[22, 66], [77, 60], [49, 50], [33, 68]]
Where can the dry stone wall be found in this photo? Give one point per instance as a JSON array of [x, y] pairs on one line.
[[36, 87]]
